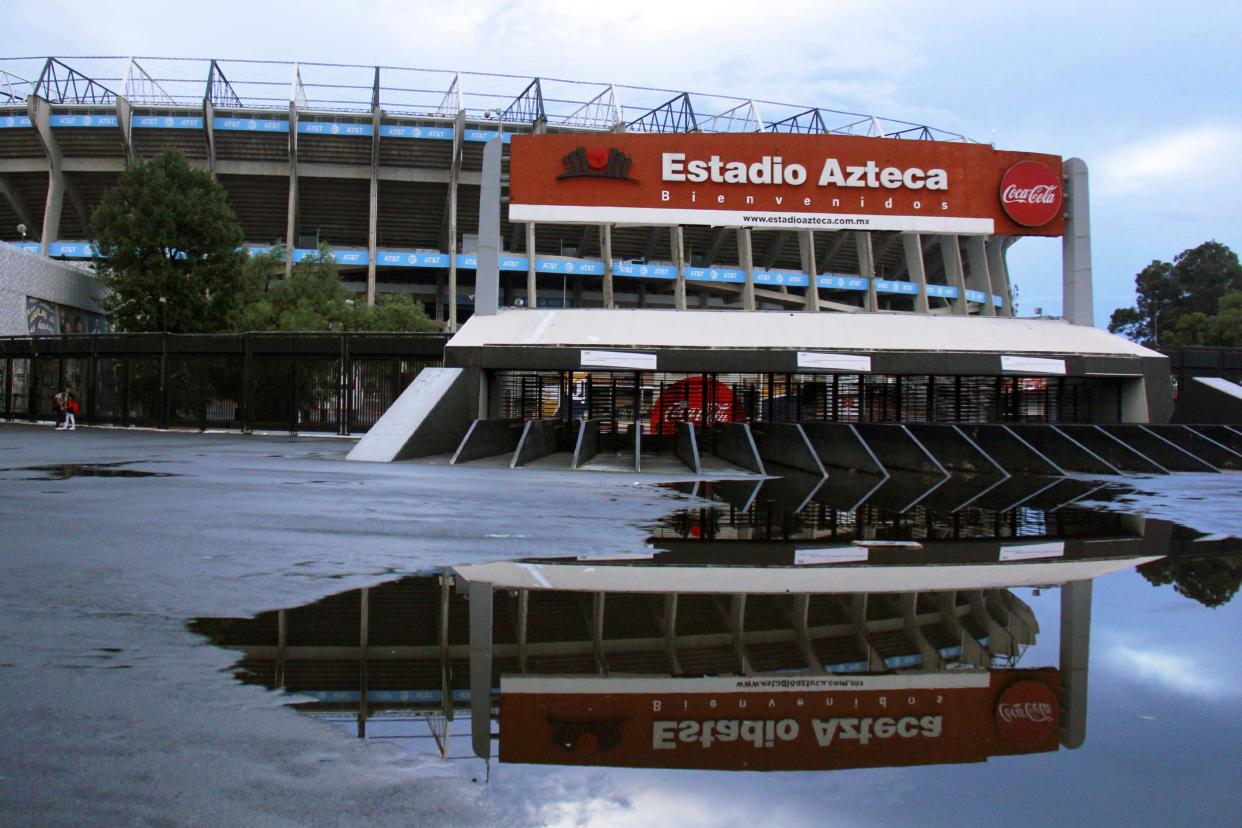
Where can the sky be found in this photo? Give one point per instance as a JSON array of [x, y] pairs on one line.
[[1146, 93]]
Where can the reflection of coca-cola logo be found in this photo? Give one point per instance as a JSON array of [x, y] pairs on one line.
[[1028, 714], [1030, 193], [1035, 711]]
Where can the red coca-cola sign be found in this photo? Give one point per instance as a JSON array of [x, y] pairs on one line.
[[1030, 193], [1028, 713]]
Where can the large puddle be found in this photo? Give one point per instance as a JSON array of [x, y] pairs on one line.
[[772, 627]]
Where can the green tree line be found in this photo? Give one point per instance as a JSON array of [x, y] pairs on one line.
[[1196, 299]]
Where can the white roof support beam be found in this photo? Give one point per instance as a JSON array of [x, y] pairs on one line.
[[451, 104]]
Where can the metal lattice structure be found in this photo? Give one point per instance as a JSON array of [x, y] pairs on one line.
[[528, 107], [423, 92], [59, 83], [676, 115]]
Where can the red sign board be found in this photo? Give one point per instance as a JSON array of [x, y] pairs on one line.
[[780, 722], [692, 400], [780, 181]]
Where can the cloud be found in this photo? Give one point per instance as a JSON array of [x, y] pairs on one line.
[[1178, 672], [1162, 167]]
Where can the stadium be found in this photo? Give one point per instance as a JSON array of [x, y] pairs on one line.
[[628, 224], [383, 164]]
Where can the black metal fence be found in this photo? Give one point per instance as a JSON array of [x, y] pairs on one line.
[[336, 383], [655, 401]]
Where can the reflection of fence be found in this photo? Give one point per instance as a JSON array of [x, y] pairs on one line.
[[338, 383]]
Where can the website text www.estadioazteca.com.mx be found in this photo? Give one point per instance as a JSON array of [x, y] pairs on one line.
[[848, 221]]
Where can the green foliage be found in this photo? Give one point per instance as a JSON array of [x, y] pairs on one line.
[[168, 249], [1179, 302], [314, 298], [1212, 581]]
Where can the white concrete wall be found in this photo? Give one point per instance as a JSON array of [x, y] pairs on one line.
[[25, 274]]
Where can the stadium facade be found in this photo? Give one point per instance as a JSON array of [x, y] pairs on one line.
[[564, 220], [383, 164]]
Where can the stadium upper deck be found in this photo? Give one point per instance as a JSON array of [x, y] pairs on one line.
[[384, 165]]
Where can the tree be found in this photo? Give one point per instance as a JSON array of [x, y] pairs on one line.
[[1222, 329], [168, 248], [1195, 282], [314, 298], [1210, 580]]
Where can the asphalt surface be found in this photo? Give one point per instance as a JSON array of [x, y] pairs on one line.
[[111, 540]]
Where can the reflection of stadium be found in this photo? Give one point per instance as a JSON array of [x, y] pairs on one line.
[[415, 648]]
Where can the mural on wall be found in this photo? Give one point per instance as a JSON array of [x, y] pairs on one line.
[[44, 318]]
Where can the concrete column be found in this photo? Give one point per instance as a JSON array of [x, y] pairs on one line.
[[451, 242], [487, 270], [373, 218], [1075, 650], [532, 284], [438, 316], [1076, 292], [481, 669], [866, 266], [209, 128], [980, 273], [678, 238], [912, 243], [998, 269], [806, 253], [123, 112], [40, 118], [291, 223], [605, 252], [951, 252], [746, 257]]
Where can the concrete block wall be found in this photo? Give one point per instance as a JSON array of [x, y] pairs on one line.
[[25, 274]]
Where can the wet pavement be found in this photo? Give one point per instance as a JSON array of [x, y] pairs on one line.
[[161, 613]]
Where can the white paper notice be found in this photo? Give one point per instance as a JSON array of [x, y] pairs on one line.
[[618, 359], [834, 362], [835, 554], [1027, 551], [1032, 365]]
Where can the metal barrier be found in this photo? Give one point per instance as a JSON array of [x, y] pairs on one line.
[[335, 383]]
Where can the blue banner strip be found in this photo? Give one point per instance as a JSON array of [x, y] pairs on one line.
[[249, 125], [333, 128], [434, 133], [893, 286], [15, 122], [166, 122], [83, 120]]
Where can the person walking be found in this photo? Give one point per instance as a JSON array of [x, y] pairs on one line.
[[59, 402], [71, 413]]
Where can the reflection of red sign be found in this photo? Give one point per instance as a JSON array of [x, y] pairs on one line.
[[779, 722], [1031, 194], [1027, 713], [691, 401]]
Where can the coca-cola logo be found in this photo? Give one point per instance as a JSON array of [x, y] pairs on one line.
[[1028, 714], [1030, 193]]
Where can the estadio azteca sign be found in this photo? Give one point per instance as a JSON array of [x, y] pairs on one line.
[[775, 722], [780, 181]]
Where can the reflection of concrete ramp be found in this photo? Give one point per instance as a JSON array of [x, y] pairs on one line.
[[428, 418]]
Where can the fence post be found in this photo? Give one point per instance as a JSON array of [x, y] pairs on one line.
[[163, 380], [125, 391], [344, 395], [293, 395], [247, 417], [92, 382], [8, 388], [204, 366]]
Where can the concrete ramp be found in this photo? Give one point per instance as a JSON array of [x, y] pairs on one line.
[[428, 418], [1168, 453], [1015, 455], [735, 444], [1208, 400], [489, 438], [787, 445], [1063, 450], [686, 447], [1205, 448], [1112, 450]]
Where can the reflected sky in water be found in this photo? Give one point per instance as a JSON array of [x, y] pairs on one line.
[[1163, 705]]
